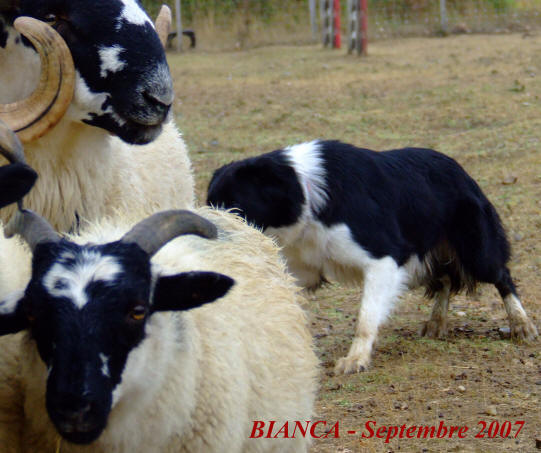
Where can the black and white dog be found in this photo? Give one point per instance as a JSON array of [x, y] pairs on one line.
[[395, 219]]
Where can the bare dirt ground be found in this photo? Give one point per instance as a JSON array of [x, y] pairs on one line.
[[476, 98]]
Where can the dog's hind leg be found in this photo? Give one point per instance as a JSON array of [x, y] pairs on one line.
[[436, 326], [522, 328]]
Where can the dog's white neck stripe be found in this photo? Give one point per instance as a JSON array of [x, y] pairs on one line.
[[308, 164]]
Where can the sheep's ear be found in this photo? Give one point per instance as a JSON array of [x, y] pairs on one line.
[[16, 180], [189, 290], [12, 317]]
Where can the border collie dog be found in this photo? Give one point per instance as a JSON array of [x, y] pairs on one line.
[[390, 220]]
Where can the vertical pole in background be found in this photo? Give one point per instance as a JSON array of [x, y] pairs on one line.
[[336, 38], [313, 18], [178, 20], [327, 22], [352, 24], [362, 45], [443, 16], [357, 26]]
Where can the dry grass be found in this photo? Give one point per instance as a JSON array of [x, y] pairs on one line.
[[476, 98]]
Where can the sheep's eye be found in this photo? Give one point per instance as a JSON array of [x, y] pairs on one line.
[[30, 314], [138, 313], [51, 19]]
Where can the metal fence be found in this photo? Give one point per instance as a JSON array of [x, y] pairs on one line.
[[398, 18], [256, 22]]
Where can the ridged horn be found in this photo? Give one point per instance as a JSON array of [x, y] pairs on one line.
[[10, 145], [163, 24], [34, 116], [157, 230], [33, 228]]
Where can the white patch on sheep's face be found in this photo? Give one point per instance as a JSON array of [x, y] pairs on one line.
[[104, 365], [133, 14], [308, 164], [70, 277], [110, 60], [86, 102]]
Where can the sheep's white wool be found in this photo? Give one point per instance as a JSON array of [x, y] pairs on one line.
[[110, 60], [16, 59], [85, 175]]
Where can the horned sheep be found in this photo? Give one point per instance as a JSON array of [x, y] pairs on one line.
[[115, 149], [110, 357], [235, 369]]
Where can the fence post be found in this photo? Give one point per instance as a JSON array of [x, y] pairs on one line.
[[362, 45], [313, 18], [327, 23], [353, 24], [337, 37], [357, 26], [178, 20], [443, 16]]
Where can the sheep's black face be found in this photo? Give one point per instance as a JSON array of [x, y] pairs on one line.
[[87, 308], [123, 81]]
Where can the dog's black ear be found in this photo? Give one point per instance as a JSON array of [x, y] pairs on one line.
[[16, 180], [261, 170], [189, 290]]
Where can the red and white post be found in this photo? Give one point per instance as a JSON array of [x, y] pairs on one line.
[[330, 20], [337, 38]]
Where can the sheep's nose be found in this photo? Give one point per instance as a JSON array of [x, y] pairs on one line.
[[159, 103], [159, 97], [75, 414]]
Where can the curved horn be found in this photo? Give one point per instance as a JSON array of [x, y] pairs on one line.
[[33, 228], [10, 145], [154, 232], [34, 116], [163, 24]]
